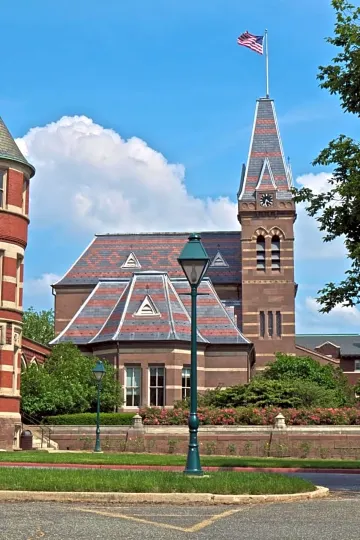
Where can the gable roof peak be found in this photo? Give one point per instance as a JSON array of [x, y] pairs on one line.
[[266, 178]]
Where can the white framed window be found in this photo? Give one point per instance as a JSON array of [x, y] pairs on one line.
[[157, 386], [357, 365], [185, 386], [19, 261], [132, 386], [1, 272], [24, 194], [2, 188]]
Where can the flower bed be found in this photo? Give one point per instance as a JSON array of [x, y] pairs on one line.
[[346, 416]]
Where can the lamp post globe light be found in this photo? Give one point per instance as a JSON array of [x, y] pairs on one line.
[[98, 372], [194, 261]]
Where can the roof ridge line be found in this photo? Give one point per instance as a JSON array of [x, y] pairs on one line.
[[62, 333], [130, 290], [111, 312]]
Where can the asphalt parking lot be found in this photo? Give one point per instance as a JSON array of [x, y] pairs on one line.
[[334, 518]]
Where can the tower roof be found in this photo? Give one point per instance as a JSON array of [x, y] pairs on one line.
[[266, 166], [9, 149]]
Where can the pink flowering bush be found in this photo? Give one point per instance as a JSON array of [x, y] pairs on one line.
[[346, 416]]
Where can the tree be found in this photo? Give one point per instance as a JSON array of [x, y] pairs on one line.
[[338, 210], [65, 384], [39, 325]]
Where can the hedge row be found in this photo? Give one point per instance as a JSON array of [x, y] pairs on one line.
[[346, 416], [89, 419]]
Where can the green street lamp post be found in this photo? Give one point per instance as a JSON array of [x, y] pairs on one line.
[[99, 372], [194, 261]]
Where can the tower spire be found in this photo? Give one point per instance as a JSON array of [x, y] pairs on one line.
[[266, 155]]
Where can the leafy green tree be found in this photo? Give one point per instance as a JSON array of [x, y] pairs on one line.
[[338, 210], [65, 384], [39, 325]]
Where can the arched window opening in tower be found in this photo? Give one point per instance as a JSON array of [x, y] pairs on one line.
[[262, 324], [275, 253], [260, 253], [270, 324], [278, 324]]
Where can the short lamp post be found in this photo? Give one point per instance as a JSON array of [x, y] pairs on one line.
[[194, 261], [99, 372]]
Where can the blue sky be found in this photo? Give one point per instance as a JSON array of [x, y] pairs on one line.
[[168, 74]]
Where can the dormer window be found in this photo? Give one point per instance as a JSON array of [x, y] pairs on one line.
[[131, 262], [147, 308], [219, 261]]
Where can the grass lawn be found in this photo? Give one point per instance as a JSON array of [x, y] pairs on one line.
[[15, 479], [172, 459]]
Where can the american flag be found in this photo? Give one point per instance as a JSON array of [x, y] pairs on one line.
[[255, 43]]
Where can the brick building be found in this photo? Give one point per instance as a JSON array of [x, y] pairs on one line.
[[126, 299], [15, 174]]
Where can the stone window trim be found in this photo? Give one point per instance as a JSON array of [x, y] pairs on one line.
[[2, 334], [25, 193], [156, 385], [185, 382], [3, 186], [132, 391], [2, 257], [19, 262]]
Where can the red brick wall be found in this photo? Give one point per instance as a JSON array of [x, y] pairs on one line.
[[13, 228], [15, 188]]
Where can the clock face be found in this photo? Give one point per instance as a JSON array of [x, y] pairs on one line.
[[266, 199]]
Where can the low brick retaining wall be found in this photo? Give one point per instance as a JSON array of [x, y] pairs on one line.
[[341, 442]]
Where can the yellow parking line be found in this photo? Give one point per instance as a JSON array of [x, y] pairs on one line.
[[195, 528], [210, 521], [131, 518]]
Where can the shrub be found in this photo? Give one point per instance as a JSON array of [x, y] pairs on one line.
[[89, 419], [254, 416]]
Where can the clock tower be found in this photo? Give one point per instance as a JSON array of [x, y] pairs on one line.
[[267, 215]]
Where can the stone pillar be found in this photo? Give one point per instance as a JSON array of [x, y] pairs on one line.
[[15, 173]]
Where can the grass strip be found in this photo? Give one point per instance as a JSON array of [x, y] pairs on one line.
[[226, 483], [173, 459]]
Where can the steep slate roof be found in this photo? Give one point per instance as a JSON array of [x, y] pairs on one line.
[[265, 144], [104, 258], [9, 149], [110, 313], [349, 343]]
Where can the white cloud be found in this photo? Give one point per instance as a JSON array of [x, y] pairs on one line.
[[341, 318], [38, 290], [308, 239], [90, 179]]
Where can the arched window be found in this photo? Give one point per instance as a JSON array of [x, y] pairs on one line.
[[275, 253], [260, 253], [23, 364]]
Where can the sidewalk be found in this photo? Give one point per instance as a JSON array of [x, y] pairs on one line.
[[174, 468]]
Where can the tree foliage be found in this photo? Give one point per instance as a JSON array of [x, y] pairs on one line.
[[289, 382], [39, 325], [65, 384], [338, 210]]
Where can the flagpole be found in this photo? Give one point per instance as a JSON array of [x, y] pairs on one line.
[[267, 62]]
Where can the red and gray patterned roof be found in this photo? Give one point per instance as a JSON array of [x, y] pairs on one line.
[[106, 255], [150, 307], [266, 149]]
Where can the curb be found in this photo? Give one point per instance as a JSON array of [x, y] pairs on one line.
[[174, 468], [157, 498]]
